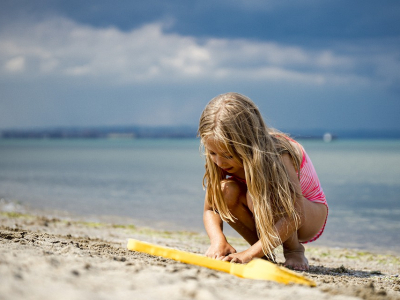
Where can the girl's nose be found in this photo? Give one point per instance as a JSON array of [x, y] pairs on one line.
[[220, 161]]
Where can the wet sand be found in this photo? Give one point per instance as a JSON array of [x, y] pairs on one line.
[[43, 257]]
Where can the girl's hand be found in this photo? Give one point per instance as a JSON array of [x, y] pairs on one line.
[[220, 250], [239, 258]]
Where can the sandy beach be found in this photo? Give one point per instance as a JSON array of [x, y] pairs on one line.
[[47, 257]]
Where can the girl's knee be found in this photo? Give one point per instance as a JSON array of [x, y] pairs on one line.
[[231, 192]]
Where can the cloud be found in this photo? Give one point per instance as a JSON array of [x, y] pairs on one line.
[[16, 64], [61, 47]]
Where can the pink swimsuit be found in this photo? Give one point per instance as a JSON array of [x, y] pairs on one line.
[[310, 186]]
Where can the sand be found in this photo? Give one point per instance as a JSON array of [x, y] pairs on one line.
[[42, 257]]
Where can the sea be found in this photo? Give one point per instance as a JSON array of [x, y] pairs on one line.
[[158, 183]]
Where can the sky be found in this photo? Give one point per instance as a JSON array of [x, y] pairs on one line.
[[307, 64]]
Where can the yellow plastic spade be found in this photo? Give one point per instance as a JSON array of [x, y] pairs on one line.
[[256, 269]]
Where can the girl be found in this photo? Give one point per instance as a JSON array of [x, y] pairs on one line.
[[259, 181]]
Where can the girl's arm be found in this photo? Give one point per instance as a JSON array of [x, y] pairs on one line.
[[213, 224]]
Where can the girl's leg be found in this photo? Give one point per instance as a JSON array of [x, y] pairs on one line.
[[293, 252], [312, 218], [234, 194]]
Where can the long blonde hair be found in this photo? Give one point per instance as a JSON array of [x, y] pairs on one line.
[[235, 121]]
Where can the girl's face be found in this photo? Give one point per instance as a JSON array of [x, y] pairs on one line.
[[219, 154]]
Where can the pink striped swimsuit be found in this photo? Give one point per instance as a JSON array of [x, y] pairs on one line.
[[311, 187]]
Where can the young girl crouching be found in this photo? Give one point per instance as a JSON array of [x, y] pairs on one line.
[[259, 181]]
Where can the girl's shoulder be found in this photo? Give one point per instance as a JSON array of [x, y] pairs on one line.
[[286, 145]]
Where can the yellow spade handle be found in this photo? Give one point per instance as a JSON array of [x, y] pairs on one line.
[[256, 269]]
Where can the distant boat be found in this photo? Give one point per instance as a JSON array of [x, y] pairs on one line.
[[327, 137]]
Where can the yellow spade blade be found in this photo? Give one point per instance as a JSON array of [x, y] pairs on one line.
[[256, 269]]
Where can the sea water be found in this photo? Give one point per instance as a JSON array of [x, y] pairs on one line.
[[159, 183]]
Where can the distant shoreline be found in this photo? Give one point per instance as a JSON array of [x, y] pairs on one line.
[[178, 132]]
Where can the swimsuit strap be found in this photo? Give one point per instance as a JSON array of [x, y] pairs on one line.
[[237, 178]]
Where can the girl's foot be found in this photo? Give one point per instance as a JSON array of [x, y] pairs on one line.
[[295, 259]]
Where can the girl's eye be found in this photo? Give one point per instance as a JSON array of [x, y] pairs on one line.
[[224, 156]]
